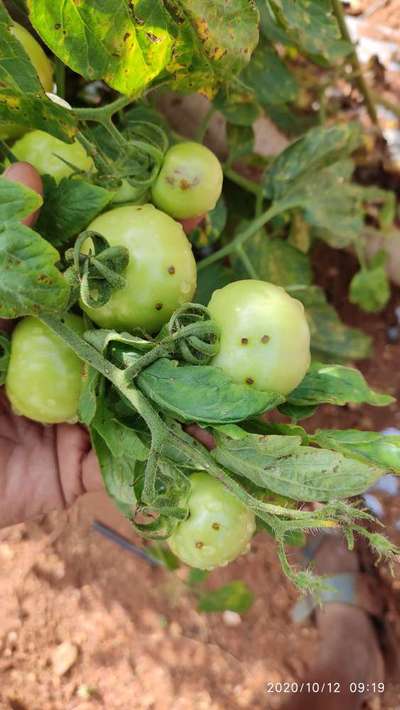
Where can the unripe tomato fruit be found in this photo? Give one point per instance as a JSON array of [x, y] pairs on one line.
[[161, 274], [265, 338], [218, 529], [42, 66], [190, 181], [44, 376], [41, 149]]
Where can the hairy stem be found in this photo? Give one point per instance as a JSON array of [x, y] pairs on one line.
[[104, 113], [359, 77]]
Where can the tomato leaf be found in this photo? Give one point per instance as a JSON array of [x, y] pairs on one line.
[[370, 288], [119, 449], [16, 200], [276, 261], [106, 39], [68, 208], [311, 26], [22, 99], [303, 473], [197, 42], [269, 77], [336, 384], [330, 338], [293, 176], [202, 394], [215, 41], [88, 399], [209, 230], [235, 596], [30, 283], [209, 279], [367, 446]]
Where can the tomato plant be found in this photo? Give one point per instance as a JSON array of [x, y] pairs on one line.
[[190, 181], [117, 290], [160, 276], [265, 338], [218, 528], [44, 376]]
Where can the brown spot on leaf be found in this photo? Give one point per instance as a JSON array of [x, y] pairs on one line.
[[244, 341], [159, 306], [265, 339], [171, 270], [199, 545], [215, 526], [153, 38], [249, 381]]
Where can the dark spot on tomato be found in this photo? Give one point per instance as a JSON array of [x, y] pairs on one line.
[[185, 184], [159, 306], [215, 526], [249, 381], [44, 279], [199, 545], [244, 341], [265, 339]]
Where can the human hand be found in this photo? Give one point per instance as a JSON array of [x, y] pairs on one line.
[[41, 467]]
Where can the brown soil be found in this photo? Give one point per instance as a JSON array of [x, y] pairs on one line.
[[141, 643]]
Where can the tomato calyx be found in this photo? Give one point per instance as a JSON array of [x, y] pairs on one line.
[[93, 277], [190, 336]]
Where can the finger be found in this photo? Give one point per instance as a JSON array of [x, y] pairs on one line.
[[91, 475], [27, 175], [190, 224], [79, 471]]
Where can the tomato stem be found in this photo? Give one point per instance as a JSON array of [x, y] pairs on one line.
[[358, 75], [242, 236]]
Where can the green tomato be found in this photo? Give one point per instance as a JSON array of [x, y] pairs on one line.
[[44, 376], [265, 338], [41, 150], [42, 66], [218, 529], [190, 181], [161, 274]]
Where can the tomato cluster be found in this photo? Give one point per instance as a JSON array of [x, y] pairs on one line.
[[265, 339]]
